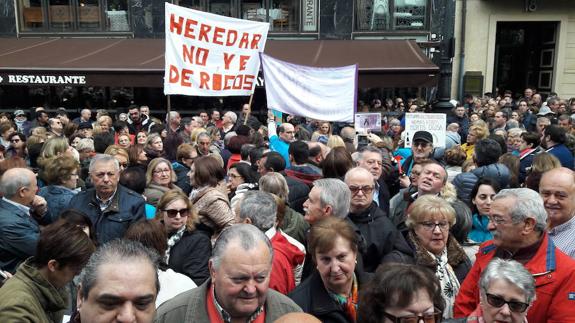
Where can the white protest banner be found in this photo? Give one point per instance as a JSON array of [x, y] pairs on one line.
[[434, 123], [323, 93], [368, 121], [211, 55]]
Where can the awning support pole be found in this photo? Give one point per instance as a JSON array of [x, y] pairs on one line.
[[169, 103], [250, 105]]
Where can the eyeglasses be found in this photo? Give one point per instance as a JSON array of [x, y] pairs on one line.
[[498, 301], [173, 213], [422, 144], [160, 171], [434, 317], [497, 219], [234, 176], [365, 189], [430, 226]]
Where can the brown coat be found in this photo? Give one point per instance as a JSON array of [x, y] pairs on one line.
[[214, 209]]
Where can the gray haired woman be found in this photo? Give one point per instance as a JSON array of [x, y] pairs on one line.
[[507, 290]]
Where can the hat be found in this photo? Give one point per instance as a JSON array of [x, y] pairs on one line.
[[423, 135], [85, 125], [19, 113], [545, 111]]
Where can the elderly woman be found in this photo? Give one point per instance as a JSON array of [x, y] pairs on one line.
[[160, 178], [61, 177], [293, 223], [506, 291], [331, 292], [429, 219], [209, 195], [401, 293], [120, 154]]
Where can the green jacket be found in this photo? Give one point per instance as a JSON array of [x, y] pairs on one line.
[[294, 225], [29, 297]]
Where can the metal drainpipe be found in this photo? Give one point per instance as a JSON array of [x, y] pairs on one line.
[[462, 50]]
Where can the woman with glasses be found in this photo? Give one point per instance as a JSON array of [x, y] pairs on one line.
[[331, 292], [506, 291], [160, 178], [121, 155], [241, 178], [400, 293], [188, 249], [61, 176], [476, 133], [432, 245]]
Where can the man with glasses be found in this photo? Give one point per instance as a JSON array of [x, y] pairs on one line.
[[518, 221], [378, 235], [111, 207], [421, 148]]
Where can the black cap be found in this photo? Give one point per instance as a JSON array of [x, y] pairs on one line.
[[423, 135], [85, 125]]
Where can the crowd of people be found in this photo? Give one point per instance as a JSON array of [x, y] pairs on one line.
[[223, 217]]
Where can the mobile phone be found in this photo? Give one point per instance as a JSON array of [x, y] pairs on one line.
[[3, 275], [362, 141]]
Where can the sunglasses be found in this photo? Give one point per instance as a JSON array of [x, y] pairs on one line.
[[173, 213], [434, 317], [498, 301], [365, 189]]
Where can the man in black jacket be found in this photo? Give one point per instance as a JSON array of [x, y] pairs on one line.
[[379, 235]]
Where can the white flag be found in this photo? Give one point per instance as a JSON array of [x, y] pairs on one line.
[[323, 93]]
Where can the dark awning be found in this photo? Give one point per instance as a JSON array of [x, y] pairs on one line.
[[140, 62]]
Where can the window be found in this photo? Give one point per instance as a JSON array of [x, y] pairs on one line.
[[283, 15], [391, 15], [63, 16]]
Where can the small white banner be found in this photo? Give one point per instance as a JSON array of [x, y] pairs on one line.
[[368, 121], [434, 123], [211, 55], [322, 93]]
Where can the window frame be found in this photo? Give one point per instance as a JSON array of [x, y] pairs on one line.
[[356, 32]]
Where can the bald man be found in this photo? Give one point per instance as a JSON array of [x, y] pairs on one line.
[[297, 318], [557, 189], [20, 212]]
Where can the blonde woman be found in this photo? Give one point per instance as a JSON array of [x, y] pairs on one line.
[[160, 178]]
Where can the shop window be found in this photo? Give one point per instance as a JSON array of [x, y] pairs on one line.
[[64, 16], [282, 15], [392, 15]]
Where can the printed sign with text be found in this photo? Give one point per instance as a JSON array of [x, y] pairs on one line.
[[434, 123]]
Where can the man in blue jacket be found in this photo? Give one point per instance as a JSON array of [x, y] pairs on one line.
[[20, 212], [111, 207]]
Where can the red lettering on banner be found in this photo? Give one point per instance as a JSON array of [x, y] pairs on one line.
[[174, 74], [189, 31], [238, 86], [204, 30], [248, 82], [186, 75], [229, 40], [227, 79], [243, 61], [217, 82], [218, 35], [176, 25], [255, 41], [204, 79], [200, 57], [244, 42], [228, 59]]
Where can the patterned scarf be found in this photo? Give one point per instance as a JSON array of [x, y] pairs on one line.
[[349, 302], [173, 240], [449, 283]]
